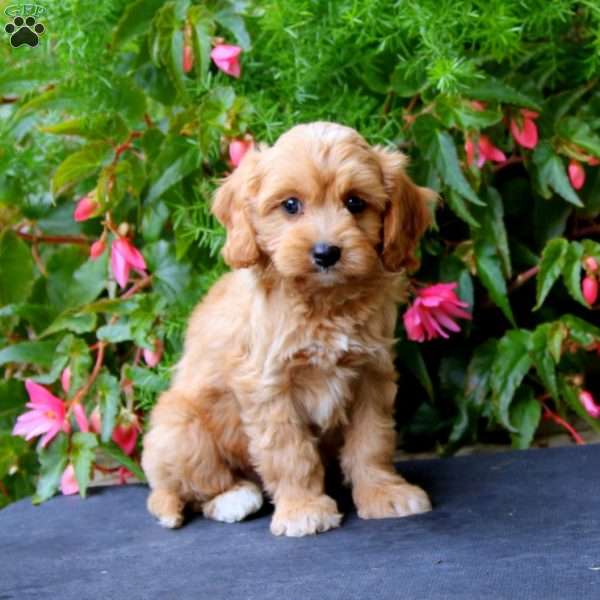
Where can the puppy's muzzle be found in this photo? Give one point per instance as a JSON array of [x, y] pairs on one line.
[[325, 255]]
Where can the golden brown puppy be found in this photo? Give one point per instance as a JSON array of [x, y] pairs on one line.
[[293, 349]]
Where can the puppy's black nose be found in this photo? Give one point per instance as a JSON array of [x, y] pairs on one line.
[[325, 255]]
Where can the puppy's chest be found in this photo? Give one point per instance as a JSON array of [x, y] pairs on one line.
[[324, 368]]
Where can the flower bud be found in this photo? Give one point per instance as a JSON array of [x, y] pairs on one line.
[[588, 402], [85, 209], [97, 249], [589, 289]]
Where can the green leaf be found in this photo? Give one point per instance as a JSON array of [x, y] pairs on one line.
[[571, 396], [443, 152], [135, 20], [551, 266], [35, 353], [203, 29], [510, 366], [177, 160], [170, 275], [412, 359], [146, 379], [53, 461], [581, 331], [489, 271], [109, 394], [525, 415], [98, 127], [492, 89], [74, 282], [114, 333], [12, 402], [459, 208], [16, 269], [235, 24], [551, 175], [579, 133], [543, 357], [78, 166], [75, 322], [571, 272], [83, 452], [477, 385], [117, 454]]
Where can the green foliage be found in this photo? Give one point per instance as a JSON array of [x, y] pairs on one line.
[[104, 108]]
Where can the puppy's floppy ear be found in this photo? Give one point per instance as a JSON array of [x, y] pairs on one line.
[[407, 214], [231, 206]]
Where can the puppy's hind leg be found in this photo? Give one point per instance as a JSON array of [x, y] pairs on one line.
[[181, 459]]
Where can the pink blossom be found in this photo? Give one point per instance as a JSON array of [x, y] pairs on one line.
[[124, 475], [125, 436], [237, 150], [588, 402], [593, 161], [81, 417], [227, 58], [434, 309], [65, 379], [85, 209], [478, 106], [526, 134], [123, 257], [576, 174], [484, 149], [591, 264], [68, 482], [152, 357], [188, 58], [47, 415], [589, 289], [96, 421], [97, 249]]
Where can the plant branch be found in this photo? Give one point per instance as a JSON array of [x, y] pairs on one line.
[[552, 416], [54, 239], [523, 278], [589, 230]]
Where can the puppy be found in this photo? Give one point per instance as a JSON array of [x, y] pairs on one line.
[[292, 351]]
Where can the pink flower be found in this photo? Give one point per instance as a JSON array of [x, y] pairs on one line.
[[96, 421], [525, 135], [81, 417], [593, 161], [65, 379], [47, 415], [591, 264], [125, 436], [97, 249], [85, 209], [123, 257], [589, 289], [188, 58], [237, 150], [588, 402], [434, 309], [227, 58], [478, 106], [152, 357], [68, 483], [576, 174], [485, 150]]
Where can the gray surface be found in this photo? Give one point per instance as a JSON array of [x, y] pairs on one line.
[[518, 525]]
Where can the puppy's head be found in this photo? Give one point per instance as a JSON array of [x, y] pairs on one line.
[[322, 204]]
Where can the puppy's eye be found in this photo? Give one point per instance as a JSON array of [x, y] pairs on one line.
[[292, 206], [355, 204]]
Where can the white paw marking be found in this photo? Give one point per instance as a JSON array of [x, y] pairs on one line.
[[171, 522], [234, 505]]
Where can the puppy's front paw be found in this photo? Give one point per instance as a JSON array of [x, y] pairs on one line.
[[391, 500], [167, 507], [306, 516]]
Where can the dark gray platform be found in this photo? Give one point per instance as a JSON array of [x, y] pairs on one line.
[[518, 525]]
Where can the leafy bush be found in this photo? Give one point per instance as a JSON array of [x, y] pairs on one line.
[[495, 101]]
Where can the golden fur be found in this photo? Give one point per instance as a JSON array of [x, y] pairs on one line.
[[283, 358]]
